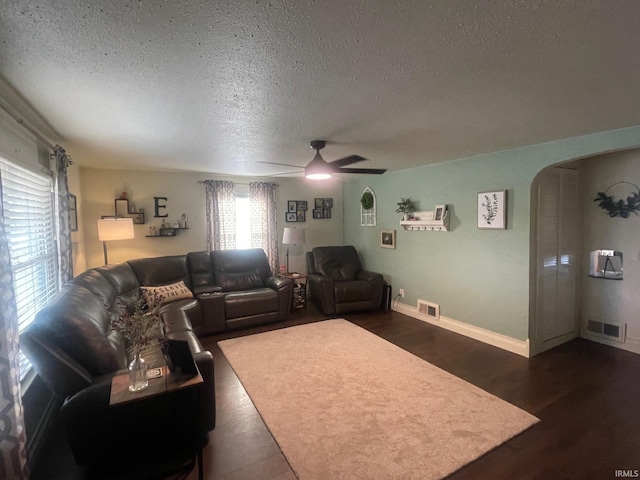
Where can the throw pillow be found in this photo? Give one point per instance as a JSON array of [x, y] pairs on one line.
[[169, 293]]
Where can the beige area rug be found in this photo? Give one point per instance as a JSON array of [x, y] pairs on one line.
[[343, 403]]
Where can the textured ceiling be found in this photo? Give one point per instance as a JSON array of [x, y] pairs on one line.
[[215, 86]]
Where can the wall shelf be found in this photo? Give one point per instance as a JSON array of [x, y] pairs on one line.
[[167, 232], [426, 222]]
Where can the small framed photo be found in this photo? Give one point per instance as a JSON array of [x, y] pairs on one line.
[[301, 205], [388, 238], [291, 206], [318, 213], [492, 210], [318, 203], [439, 212], [292, 217], [326, 213], [300, 216], [327, 202], [73, 213]]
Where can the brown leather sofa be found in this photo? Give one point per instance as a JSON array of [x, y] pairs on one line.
[[76, 353], [338, 283]]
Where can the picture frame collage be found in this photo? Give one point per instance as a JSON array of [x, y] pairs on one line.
[[322, 207], [297, 209]]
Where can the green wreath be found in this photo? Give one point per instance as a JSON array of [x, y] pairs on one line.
[[619, 208], [367, 200]]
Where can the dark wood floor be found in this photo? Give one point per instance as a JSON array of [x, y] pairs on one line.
[[586, 394]]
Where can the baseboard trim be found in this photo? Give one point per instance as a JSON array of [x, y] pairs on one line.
[[630, 345], [519, 347]]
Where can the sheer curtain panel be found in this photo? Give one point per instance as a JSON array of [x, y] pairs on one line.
[[65, 260], [264, 214], [220, 215], [13, 449]]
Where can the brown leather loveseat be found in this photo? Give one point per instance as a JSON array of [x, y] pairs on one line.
[[76, 353]]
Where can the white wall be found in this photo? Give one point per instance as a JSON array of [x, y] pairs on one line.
[[99, 188], [611, 300]]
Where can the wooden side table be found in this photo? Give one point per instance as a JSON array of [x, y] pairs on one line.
[[167, 384], [299, 289]]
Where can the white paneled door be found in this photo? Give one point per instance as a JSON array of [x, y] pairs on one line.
[[557, 230]]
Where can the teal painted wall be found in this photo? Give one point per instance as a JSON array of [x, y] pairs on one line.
[[480, 277]]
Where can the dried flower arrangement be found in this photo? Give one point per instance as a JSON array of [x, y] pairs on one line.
[[140, 323]]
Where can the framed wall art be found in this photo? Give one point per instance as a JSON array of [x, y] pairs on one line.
[[492, 210], [388, 238], [73, 213]]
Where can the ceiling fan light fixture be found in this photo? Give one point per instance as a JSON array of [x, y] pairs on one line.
[[317, 169]]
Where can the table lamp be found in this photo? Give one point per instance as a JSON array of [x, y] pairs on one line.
[[114, 229], [292, 237]]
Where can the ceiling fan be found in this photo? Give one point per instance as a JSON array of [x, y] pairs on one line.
[[319, 169]]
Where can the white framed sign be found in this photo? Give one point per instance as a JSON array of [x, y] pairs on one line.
[[492, 210]]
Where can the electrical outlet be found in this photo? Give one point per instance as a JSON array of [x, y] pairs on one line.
[[401, 292]]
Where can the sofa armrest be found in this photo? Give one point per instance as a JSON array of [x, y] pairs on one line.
[[284, 287], [322, 293], [368, 276], [277, 283], [207, 289], [204, 360]]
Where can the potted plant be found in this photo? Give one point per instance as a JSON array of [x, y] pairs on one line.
[[406, 207]]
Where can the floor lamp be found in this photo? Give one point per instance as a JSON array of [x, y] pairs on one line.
[[292, 237], [114, 229]]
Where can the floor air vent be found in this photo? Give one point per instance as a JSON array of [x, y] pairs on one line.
[[611, 330], [431, 310]]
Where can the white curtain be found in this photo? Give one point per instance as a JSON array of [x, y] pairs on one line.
[[220, 215], [264, 227], [13, 450]]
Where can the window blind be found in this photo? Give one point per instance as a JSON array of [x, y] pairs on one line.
[[27, 199]]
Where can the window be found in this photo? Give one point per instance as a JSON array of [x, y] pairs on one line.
[[27, 198], [243, 224]]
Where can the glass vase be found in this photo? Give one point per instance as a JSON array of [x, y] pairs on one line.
[[138, 374]]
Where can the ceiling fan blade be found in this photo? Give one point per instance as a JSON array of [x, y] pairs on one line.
[[283, 173], [374, 171], [281, 164], [347, 160]]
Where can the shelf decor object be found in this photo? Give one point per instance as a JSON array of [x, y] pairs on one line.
[[492, 210], [124, 210], [426, 221], [406, 208]]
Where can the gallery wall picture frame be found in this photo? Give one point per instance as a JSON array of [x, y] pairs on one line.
[[318, 203], [301, 204], [291, 217], [326, 213], [291, 206], [318, 213], [388, 238], [73, 213], [300, 216], [492, 210]]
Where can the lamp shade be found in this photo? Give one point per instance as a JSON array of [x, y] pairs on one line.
[[115, 229], [293, 236]]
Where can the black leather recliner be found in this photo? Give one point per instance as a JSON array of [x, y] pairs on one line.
[[338, 284]]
